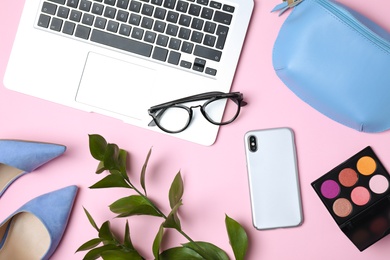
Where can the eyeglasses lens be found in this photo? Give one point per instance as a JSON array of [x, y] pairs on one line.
[[174, 118], [214, 110]]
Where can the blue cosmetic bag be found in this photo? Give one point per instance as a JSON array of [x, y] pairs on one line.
[[337, 61]]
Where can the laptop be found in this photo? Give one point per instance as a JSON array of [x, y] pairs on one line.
[[120, 57]]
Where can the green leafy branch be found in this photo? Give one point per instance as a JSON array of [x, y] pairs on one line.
[[113, 159]]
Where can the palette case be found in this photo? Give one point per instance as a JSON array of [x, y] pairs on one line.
[[357, 195]]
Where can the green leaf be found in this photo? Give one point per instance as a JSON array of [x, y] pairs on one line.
[[97, 146], [127, 240], [89, 244], [207, 250], [157, 242], [143, 172], [133, 205], [111, 157], [180, 253], [111, 181], [100, 168], [237, 237], [122, 160], [96, 253], [120, 255], [105, 232], [176, 190], [91, 219], [173, 220]]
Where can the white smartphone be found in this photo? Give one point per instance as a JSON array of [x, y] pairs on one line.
[[273, 178]]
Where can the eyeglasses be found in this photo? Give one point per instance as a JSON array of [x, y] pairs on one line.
[[174, 117]]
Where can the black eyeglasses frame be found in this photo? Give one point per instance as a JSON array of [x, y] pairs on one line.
[[236, 97]]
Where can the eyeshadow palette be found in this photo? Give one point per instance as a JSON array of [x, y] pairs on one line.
[[357, 195]]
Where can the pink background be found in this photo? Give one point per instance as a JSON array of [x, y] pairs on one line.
[[215, 177]]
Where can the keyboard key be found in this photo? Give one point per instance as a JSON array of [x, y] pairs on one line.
[[61, 2], [75, 16], [122, 4], [110, 12], [194, 9], [174, 57], [122, 43], [135, 6], [82, 32], [68, 28], [125, 29], [135, 19], [56, 24], [209, 40], [172, 17], [207, 53], [137, 33], [187, 47], [174, 44], [182, 6], [44, 21], [169, 4], [63, 12], [85, 5], [156, 2], [147, 10], [49, 8], [172, 30], [203, 2], [147, 23], [159, 26], [160, 13], [112, 26], [185, 64], [109, 2], [122, 16], [222, 32], [197, 24], [97, 8], [228, 8], [88, 19], [100, 22], [185, 20], [150, 36], [209, 27], [207, 13], [160, 54], [72, 3], [162, 40], [211, 71], [184, 33], [215, 5], [196, 37], [222, 17]]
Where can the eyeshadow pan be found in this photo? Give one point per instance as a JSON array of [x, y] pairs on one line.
[[360, 196], [379, 184], [366, 165], [330, 189], [348, 177], [342, 207]]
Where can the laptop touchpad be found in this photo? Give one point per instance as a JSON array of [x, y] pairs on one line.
[[116, 86]]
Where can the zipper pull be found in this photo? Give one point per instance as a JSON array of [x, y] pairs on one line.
[[287, 4]]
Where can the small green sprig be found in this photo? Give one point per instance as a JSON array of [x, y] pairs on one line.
[[107, 246]]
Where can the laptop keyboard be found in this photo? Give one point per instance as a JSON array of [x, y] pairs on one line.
[[184, 33]]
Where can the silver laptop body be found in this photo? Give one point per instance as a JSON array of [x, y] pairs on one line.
[[120, 57]]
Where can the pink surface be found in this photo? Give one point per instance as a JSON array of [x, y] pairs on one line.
[[215, 177]]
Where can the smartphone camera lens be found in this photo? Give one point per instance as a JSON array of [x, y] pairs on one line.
[[252, 143]]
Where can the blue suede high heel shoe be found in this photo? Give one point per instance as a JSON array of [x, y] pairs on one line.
[[35, 229], [20, 157]]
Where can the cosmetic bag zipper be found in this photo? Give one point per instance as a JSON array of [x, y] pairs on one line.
[[350, 21]]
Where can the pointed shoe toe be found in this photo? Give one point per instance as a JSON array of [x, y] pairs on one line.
[[34, 231], [20, 157]]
